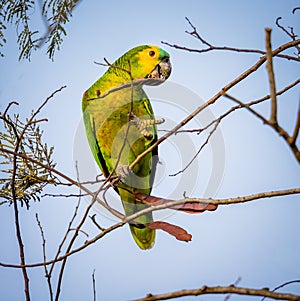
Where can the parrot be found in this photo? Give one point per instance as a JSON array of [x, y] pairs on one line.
[[120, 125]]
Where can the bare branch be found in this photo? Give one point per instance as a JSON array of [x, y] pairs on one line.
[[285, 89], [94, 286], [9, 105], [47, 274], [289, 140], [296, 129], [211, 47], [71, 195], [206, 290], [290, 33], [216, 123], [62, 175], [241, 104], [93, 218], [61, 246], [269, 66]]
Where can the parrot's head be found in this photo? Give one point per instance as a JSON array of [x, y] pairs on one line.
[[147, 62]]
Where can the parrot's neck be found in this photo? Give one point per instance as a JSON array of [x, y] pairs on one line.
[[108, 82]]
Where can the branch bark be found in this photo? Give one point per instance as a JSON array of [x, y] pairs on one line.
[[269, 66], [213, 290]]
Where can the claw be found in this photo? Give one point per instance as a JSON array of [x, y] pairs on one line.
[[123, 171], [142, 124]]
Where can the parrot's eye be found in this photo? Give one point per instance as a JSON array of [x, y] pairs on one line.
[[152, 53]]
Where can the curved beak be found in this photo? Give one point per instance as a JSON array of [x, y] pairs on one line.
[[161, 71]]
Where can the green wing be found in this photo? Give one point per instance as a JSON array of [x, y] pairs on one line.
[[106, 122]]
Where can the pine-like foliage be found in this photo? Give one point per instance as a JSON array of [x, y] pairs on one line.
[[26, 16], [25, 161]]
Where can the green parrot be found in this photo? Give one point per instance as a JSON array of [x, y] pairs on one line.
[[120, 125]]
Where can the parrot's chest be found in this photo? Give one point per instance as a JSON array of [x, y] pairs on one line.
[[111, 116], [112, 112]]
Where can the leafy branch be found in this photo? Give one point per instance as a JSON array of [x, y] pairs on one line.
[[24, 181], [55, 14], [24, 138]]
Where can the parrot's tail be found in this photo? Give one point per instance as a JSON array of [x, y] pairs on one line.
[[144, 237]]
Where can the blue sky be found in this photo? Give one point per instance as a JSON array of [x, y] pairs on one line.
[[257, 241]]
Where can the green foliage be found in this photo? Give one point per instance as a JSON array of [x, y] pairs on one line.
[[20, 13], [2, 38], [57, 13], [28, 172]]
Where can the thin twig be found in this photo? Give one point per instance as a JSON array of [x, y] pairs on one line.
[[18, 229], [9, 105], [290, 33], [241, 104], [48, 276], [284, 134], [282, 285], [62, 175], [94, 286], [297, 127], [71, 195], [216, 123], [285, 89], [62, 268], [93, 218], [269, 66], [235, 284]]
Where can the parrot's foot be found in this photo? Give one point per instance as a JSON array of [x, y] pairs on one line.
[[123, 171], [142, 124]]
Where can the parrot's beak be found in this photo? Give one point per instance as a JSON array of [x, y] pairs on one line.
[[161, 72]]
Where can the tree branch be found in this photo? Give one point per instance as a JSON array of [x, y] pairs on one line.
[[94, 286], [296, 129], [47, 274], [127, 219], [63, 176], [211, 101], [281, 286], [206, 290], [269, 66], [289, 140], [211, 47]]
